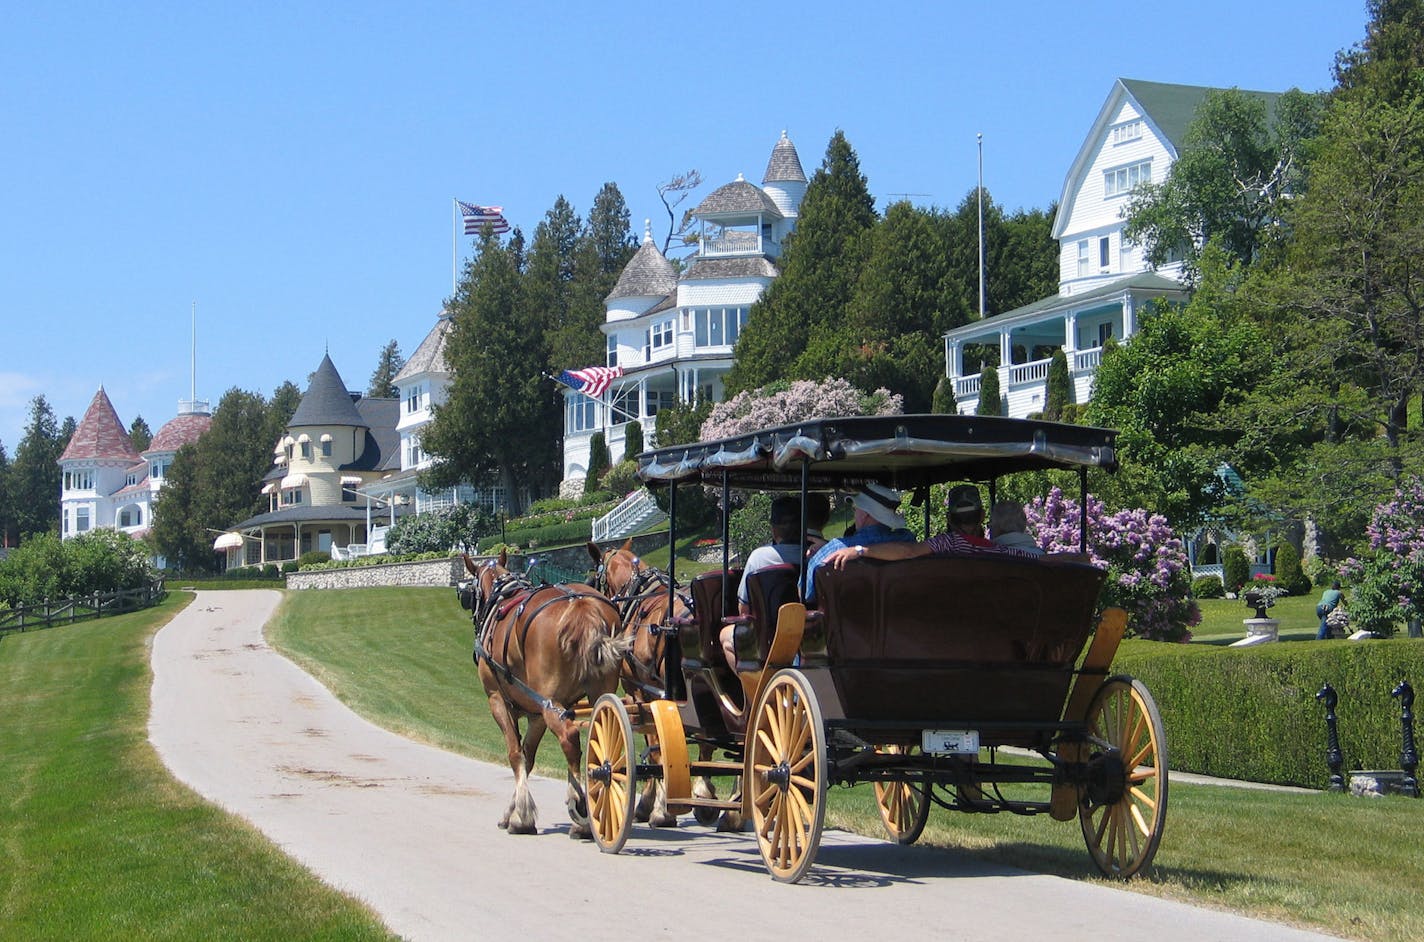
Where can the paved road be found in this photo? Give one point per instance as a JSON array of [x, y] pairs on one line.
[[411, 830]]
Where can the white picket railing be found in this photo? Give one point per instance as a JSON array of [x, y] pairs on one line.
[[633, 513]]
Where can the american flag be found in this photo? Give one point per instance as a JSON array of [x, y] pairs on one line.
[[477, 216], [593, 381]]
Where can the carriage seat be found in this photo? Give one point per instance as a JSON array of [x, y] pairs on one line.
[[982, 637], [699, 635], [767, 590]]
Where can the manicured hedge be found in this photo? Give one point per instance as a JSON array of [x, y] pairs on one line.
[[556, 534], [1252, 714]]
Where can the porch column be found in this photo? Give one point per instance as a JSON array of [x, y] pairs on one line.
[[1006, 347], [953, 358], [1070, 335], [1129, 317]]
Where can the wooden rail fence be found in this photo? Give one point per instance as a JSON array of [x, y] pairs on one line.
[[67, 611]]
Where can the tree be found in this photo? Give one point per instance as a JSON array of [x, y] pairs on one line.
[[600, 252], [1236, 172], [784, 403], [179, 522], [1385, 64], [280, 409], [1058, 390], [990, 399], [140, 435], [599, 461], [233, 456], [632, 440], [35, 474], [501, 421], [673, 192], [821, 262], [547, 290], [943, 400], [388, 364]]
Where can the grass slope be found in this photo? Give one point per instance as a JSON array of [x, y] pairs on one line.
[[1349, 866], [98, 841]]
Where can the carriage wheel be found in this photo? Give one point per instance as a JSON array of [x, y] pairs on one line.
[[1124, 806], [904, 806], [786, 769], [610, 774]]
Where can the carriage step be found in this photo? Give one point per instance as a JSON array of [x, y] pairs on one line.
[[716, 768], [726, 804]]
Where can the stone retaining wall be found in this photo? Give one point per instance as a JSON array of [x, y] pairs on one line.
[[424, 572]]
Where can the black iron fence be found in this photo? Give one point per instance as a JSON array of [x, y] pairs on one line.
[[51, 612]]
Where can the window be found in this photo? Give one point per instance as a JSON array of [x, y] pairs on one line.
[[130, 517], [1122, 180], [416, 455], [79, 480], [292, 495], [658, 337], [1103, 253], [624, 406], [131, 479], [1123, 133], [612, 350], [1105, 331], [581, 414], [1082, 257], [306, 451], [659, 400], [412, 400], [81, 519], [326, 448], [719, 326]]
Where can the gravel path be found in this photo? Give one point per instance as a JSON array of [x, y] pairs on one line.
[[410, 829]]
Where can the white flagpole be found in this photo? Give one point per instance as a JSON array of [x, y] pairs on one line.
[[454, 246], [981, 225]]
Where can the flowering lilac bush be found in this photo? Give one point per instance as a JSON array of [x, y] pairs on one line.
[[1389, 583], [780, 404], [1148, 574]]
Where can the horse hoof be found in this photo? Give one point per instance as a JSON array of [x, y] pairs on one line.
[[583, 833], [662, 821], [730, 823], [523, 828]]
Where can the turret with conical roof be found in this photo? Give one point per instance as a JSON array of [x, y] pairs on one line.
[[785, 180], [647, 278], [326, 401]]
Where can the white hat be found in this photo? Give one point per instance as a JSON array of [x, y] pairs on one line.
[[880, 502]]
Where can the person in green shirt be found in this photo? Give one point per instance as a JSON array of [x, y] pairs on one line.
[[1329, 600]]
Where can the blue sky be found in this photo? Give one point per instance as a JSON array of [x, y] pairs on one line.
[[290, 167]]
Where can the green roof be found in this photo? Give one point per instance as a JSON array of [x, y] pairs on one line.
[[1172, 107]]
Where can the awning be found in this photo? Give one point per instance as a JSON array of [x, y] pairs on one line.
[[280, 449], [294, 480], [289, 440], [228, 541], [279, 459], [350, 480], [326, 436], [269, 487], [303, 438]]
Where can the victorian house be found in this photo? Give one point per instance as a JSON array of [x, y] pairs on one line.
[[1104, 280], [673, 332], [105, 482]]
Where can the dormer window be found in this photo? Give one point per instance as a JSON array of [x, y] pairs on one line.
[[412, 400], [1123, 180], [1125, 133]]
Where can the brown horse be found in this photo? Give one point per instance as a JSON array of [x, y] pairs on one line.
[[539, 650], [641, 593]]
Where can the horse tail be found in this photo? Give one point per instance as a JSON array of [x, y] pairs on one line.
[[588, 637]]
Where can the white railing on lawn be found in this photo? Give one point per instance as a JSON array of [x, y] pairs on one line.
[[632, 513]]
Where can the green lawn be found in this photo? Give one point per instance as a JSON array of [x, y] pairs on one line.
[[1222, 619], [97, 841], [1347, 866]]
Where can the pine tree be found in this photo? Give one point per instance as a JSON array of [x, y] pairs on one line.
[[179, 527], [35, 474], [7, 507], [632, 440], [232, 457], [598, 461], [388, 364], [140, 435], [943, 400]]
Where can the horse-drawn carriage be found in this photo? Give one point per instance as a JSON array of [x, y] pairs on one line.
[[977, 683]]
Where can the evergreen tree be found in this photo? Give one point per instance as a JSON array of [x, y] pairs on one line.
[[140, 435], [603, 249], [598, 461], [7, 507], [632, 441], [285, 399], [821, 262], [35, 474], [501, 421], [990, 398], [388, 364], [232, 457], [179, 526], [547, 289], [943, 400], [1058, 390]]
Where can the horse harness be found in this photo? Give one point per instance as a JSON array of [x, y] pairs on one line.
[[645, 585], [513, 592]]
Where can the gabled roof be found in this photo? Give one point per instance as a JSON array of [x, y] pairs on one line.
[[785, 164], [99, 434], [429, 357], [326, 401], [737, 198], [1169, 109], [648, 274]]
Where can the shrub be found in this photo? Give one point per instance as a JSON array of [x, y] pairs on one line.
[[943, 399], [458, 527], [750, 525], [989, 394], [1389, 583], [621, 479], [44, 566], [1059, 387], [776, 404], [550, 504], [598, 459], [591, 498], [1289, 575], [632, 440], [313, 558], [270, 571], [1235, 569], [1148, 575], [1208, 587], [290, 565]]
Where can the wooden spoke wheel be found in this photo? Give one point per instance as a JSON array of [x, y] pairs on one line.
[[785, 775], [1124, 805], [904, 806], [610, 773]]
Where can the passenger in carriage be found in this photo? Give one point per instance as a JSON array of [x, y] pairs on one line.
[[1008, 526], [964, 537], [877, 522], [784, 548]]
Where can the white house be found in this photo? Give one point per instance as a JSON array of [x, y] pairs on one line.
[[105, 482], [1104, 281], [674, 334]]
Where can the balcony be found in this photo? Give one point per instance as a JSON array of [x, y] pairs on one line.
[[737, 243]]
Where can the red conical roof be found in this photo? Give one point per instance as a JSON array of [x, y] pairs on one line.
[[100, 433]]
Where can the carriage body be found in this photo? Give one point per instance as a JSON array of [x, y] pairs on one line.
[[910, 675]]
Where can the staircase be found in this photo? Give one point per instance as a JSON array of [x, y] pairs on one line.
[[638, 511]]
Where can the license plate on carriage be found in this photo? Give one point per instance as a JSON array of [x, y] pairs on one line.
[[950, 741]]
